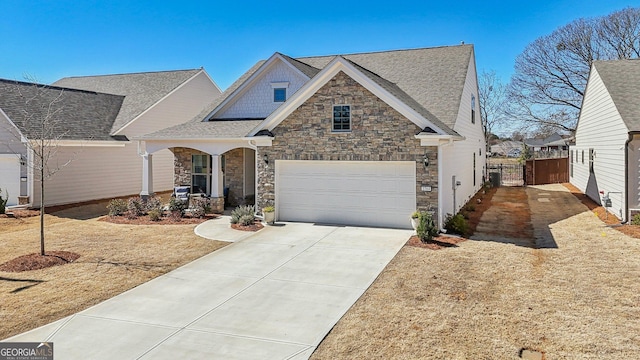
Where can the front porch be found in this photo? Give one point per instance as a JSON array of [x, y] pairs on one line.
[[225, 171]]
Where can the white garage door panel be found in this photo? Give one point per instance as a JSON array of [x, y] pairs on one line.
[[10, 177], [346, 192]]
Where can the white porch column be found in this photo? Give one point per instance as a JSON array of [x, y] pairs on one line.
[[216, 176], [147, 175]]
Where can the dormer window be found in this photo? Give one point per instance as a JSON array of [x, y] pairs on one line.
[[279, 94], [279, 91]]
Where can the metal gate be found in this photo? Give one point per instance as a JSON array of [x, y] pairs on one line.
[[506, 174]]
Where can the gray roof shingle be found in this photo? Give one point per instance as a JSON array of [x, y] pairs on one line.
[[77, 114], [433, 77], [429, 80], [218, 129], [141, 90], [622, 80]]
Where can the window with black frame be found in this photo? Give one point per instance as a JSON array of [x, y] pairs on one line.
[[341, 118]]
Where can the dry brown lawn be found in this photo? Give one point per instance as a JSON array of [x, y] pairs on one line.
[[114, 258], [488, 300]]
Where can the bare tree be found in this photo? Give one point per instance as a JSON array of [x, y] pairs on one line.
[[492, 95], [42, 126], [551, 73]]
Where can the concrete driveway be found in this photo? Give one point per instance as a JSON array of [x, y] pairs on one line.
[[273, 295]]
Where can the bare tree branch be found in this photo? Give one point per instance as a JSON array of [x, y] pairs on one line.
[[552, 72]]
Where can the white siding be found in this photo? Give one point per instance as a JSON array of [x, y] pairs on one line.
[[182, 105], [257, 99], [600, 127], [457, 159], [102, 173], [10, 178]]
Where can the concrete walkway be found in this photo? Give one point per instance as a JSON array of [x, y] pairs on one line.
[[272, 295]]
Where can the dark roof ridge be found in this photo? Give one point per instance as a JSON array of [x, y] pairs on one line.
[[384, 51], [131, 73], [55, 87]]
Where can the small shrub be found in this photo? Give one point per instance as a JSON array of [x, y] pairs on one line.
[[200, 207], [153, 203], [471, 207], [3, 202], [155, 214], [269, 209], [456, 224], [135, 207], [117, 207], [426, 228], [635, 220], [177, 207], [246, 220], [240, 211]]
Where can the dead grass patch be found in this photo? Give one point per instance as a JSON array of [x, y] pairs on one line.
[[490, 300], [113, 259], [165, 220], [603, 214]]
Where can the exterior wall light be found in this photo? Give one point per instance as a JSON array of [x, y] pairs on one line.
[[265, 157], [426, 160]]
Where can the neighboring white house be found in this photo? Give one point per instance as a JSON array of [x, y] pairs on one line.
[[605, 160], [98, 116], [362, 139]]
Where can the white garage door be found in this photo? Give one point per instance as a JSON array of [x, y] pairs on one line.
[[10, 177], [367, 193]]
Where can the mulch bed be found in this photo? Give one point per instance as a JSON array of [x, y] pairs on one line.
[[481, 202], [437, 243], [165, 220], [255, 227], [20, 214], [36, 261]]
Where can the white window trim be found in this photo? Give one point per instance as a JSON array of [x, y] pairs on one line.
[[279, 85], [333, 119]]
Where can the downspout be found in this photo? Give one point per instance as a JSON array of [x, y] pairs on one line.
[[626, 175]]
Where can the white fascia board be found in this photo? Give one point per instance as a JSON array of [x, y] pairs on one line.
[[89, 143], [260, 140], [251, 80], [437, 140], [332, 69], [22, 137], [211, 79], [159, 101]]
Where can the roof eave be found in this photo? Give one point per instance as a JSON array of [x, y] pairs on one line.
[[333, 68]]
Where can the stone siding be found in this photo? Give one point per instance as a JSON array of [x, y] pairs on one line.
[[234, 176], [378, 133]]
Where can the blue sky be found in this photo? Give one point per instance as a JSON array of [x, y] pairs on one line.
[[54, 39]]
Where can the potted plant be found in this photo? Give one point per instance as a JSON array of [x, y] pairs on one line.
[[414, 219], [269, 213]]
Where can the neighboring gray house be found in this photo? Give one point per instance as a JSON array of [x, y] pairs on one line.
[[553, 142], [360, 139], [98, 116], [605, 159]]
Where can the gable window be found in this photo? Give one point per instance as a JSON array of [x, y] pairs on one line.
[[280, 91], [473, 109], [279, 94], [341, 118]]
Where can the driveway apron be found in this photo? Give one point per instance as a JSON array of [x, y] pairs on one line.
[[273, 295]]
